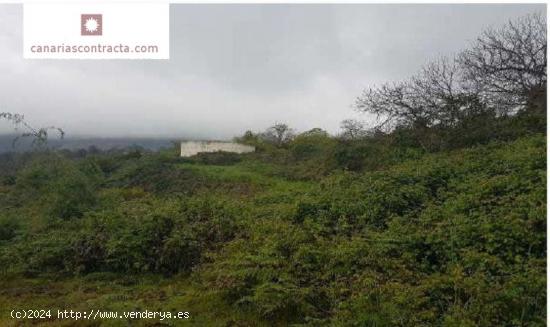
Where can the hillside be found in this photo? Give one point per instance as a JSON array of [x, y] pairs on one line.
[[454, 238], [77, 143]]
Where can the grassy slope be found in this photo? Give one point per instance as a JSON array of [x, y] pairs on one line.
[[262, 196]]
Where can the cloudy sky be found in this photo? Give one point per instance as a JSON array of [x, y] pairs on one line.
[[239, 67]]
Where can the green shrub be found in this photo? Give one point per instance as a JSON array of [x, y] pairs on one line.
[[9, 227]]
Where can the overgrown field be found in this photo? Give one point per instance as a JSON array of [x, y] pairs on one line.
[[455, 238]]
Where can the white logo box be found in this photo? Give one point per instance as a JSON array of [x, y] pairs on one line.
[[128, 31]]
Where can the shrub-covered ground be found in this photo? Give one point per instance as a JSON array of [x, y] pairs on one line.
[[455, 238]]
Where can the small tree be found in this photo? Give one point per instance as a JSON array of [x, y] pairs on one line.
[[278, 134], [352, 129]]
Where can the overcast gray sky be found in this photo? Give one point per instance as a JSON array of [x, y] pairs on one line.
[[238, 67]]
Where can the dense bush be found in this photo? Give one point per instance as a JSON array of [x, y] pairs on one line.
[[424, 243], [392, 236], [65, 188], [217, 158]]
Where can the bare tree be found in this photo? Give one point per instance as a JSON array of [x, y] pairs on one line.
[[391, 103], [443, 93], [504, 70], [434, 96], [352, 129], [509, 63], [39, 135]]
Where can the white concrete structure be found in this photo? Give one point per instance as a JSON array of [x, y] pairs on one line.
[[191, 148]]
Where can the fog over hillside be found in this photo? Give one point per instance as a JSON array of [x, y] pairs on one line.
[[76, 143], [239, 67]]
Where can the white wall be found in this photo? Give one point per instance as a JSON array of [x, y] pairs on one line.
[[191, 148]]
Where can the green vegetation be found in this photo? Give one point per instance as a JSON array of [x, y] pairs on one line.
[[454, 238], [438, 221]]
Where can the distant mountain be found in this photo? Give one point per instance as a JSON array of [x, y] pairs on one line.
[[76, 143]]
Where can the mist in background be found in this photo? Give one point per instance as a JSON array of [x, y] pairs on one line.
[[239, 67]]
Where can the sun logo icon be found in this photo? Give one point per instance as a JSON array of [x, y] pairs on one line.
[[91, 24]]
